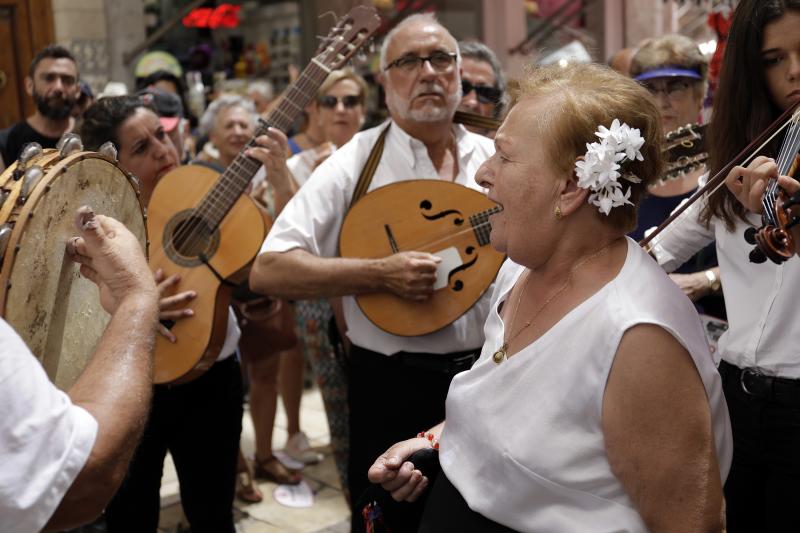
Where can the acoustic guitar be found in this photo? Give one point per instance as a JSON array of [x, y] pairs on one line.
[[445, 219], [205, 229]]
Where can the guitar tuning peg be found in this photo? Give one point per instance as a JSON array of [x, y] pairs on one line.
[[750, 235], [757, 256]]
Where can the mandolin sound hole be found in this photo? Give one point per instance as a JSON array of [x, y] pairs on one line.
[[189, 240]]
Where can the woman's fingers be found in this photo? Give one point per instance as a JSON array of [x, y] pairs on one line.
[[166, 333], [176, 300]]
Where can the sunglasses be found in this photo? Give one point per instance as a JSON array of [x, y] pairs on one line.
[[485, 93], [330, 102]]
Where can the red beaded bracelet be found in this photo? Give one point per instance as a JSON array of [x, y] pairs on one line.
[[431, 438]]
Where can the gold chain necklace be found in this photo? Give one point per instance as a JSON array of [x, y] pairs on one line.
[[502, 353]]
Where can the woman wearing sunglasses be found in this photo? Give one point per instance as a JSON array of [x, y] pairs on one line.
[[339, 115], [674, 71]]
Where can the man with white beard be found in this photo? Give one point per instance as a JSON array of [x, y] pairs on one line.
[[420, 73]]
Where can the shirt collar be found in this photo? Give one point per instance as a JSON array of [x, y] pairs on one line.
[[410, 146]]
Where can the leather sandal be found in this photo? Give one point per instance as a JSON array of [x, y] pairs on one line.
[[246, 488], [273, 470]]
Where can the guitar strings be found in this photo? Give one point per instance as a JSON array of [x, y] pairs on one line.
[[209, 204], [188, 233]]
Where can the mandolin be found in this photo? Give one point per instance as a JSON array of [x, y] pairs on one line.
[[205, 229], [445, 219]]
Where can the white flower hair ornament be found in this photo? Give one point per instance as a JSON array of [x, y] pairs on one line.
[[600, 170]]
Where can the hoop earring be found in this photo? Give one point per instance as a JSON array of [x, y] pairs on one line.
[[558, 212]]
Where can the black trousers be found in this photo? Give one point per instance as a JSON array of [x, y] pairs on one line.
[[390, 398], [200, 423], [762, 492], [447, 510]]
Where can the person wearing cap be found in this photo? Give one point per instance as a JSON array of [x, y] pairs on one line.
[[85, 99], [170, 114], [674, 71]]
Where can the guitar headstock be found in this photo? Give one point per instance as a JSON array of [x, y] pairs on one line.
[[684, 150], [348, 36]]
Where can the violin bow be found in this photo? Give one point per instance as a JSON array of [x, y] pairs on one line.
[[719, 178]]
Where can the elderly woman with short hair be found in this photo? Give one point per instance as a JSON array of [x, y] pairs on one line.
[[595, 404]]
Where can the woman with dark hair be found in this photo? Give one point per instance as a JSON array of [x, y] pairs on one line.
[[760, 368], [199, 422]]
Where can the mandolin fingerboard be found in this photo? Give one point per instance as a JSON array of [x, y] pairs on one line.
[[481, 226]]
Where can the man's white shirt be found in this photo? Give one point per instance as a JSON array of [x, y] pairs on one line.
[[313, 218], [44, 439]]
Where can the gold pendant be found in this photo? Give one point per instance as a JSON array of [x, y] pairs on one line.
[[500, 354]]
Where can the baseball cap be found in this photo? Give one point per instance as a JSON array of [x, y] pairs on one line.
[[669, 72], [167, 105]]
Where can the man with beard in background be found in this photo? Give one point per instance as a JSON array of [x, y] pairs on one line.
[[420, 72], [52, 82]]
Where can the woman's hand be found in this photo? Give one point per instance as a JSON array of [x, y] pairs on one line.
[[398, 476], [694, 285], [321, 153], [748, 183], [172, 308], [272, 151]]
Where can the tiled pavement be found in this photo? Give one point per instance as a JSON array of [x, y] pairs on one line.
[[329, 514]]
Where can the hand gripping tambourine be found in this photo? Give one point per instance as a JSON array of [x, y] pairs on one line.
[[43, 297]]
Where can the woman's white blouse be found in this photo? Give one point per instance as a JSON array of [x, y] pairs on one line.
[[523, 441]]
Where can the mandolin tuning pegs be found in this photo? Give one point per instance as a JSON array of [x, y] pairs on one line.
[[750, 235], [757, 256]]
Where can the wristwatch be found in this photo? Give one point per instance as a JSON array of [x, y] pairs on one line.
[[713, 281]]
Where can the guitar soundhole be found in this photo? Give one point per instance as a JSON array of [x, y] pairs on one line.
[[188, 239]]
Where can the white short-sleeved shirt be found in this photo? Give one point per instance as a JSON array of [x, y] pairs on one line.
[[44, 439], [760, 299], [523, 442], [312, 220]]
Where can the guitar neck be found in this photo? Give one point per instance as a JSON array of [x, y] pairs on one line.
[[234, 180]]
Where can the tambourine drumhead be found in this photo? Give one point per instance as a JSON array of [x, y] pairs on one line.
[[44, 298]]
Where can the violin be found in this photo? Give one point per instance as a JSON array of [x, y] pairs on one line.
[[776, 210], [773, 240]]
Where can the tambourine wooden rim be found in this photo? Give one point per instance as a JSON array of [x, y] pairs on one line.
[[53, 166]]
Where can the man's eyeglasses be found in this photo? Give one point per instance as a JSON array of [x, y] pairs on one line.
[[330, 102], [673, 90], [440, 61], [485, 93]]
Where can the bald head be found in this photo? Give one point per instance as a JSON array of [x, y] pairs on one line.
[[419, 24]]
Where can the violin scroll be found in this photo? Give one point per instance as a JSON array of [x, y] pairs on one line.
[[773, 240]]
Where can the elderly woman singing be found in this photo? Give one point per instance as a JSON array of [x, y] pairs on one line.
[[595, 404]]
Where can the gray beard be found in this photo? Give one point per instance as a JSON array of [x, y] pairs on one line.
[[429, 113]]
